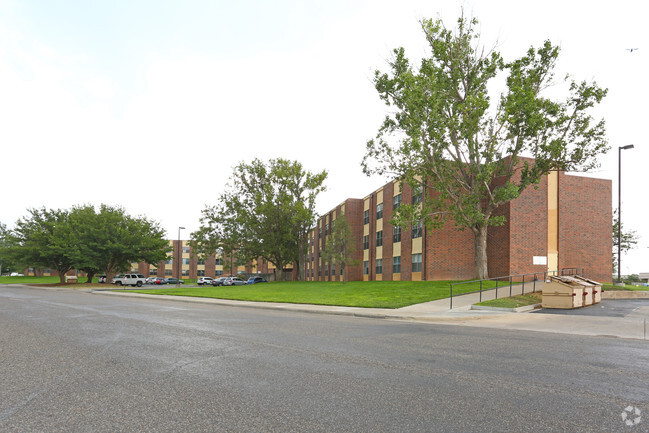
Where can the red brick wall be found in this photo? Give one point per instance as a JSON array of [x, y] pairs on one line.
[[498, 254], [354, 215], [450, 253], [528, 229], [585, 226]]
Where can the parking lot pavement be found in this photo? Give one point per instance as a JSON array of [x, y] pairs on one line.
[[607, 308]]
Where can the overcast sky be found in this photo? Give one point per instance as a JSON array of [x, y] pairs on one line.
[[148, 104]]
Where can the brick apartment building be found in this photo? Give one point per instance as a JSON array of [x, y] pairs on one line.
[[565, 222], [181, 261]]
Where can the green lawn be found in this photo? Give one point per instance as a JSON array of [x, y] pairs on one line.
[[369, 294], [514, 301], [626, 287], [31, 280]]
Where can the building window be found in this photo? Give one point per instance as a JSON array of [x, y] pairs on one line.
[[201, 261], [416, 262], [366, 242], [366, 217], [219, 272], [396, 234], [366, 267], [396, 202], [219, 262], [379, 266], [200, 273], [379, 211], [169, 261], [153, 272], [185, 250], [185, 273], [417, 194], [168, 272], [416, 230], [333, 270], [326, 229], [379, 238], [185, 261], [396, 265]]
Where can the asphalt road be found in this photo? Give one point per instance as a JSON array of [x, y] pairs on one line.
[[77, 362]]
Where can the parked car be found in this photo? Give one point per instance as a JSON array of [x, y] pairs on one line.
[[158, 280], [101, 279], [255, 280], [130, 280], [219, 281], [233, 281], [150, 280], [205, 281], [173, 281]]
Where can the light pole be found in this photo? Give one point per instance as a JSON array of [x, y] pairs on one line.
[[180, 252], [619, 209]]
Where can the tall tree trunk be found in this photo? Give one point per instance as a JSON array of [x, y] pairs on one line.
[[480, 237]]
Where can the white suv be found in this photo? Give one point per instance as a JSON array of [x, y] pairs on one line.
[[130, 280], [205, 280]]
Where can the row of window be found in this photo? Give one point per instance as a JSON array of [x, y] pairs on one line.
[[396, 265], [396, 202], [396, 235], [184, 272], [219, 262]]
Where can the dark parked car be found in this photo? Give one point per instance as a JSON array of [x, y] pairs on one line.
[[255, 280], [173, 281], [219, 281]]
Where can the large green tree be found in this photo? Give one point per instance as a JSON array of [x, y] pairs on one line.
[[339, 248], [7, 261], [110, 240], [266, 211], [446, 134], [45, 238]]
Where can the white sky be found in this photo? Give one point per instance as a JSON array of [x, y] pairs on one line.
[[149, 104]]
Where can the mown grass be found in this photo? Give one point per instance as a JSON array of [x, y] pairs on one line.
[[367, 294], [625, 287], [514, 301]]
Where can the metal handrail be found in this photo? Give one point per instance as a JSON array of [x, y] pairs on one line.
[[563, 272]]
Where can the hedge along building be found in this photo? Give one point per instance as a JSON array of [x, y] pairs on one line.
[[563, 222]]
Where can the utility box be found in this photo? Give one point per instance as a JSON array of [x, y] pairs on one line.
[[563, 292], [597, 288]]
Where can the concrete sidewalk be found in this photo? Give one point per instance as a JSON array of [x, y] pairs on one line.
[[633, 326]]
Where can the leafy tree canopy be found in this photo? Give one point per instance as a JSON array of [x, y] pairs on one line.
[[110, 239], [45, 239], [266, 211], [446, 133]]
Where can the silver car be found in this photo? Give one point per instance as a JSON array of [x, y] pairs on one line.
[[233, 281]]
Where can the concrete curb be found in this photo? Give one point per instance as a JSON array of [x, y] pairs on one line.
[[370, 313], [522, 309]]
